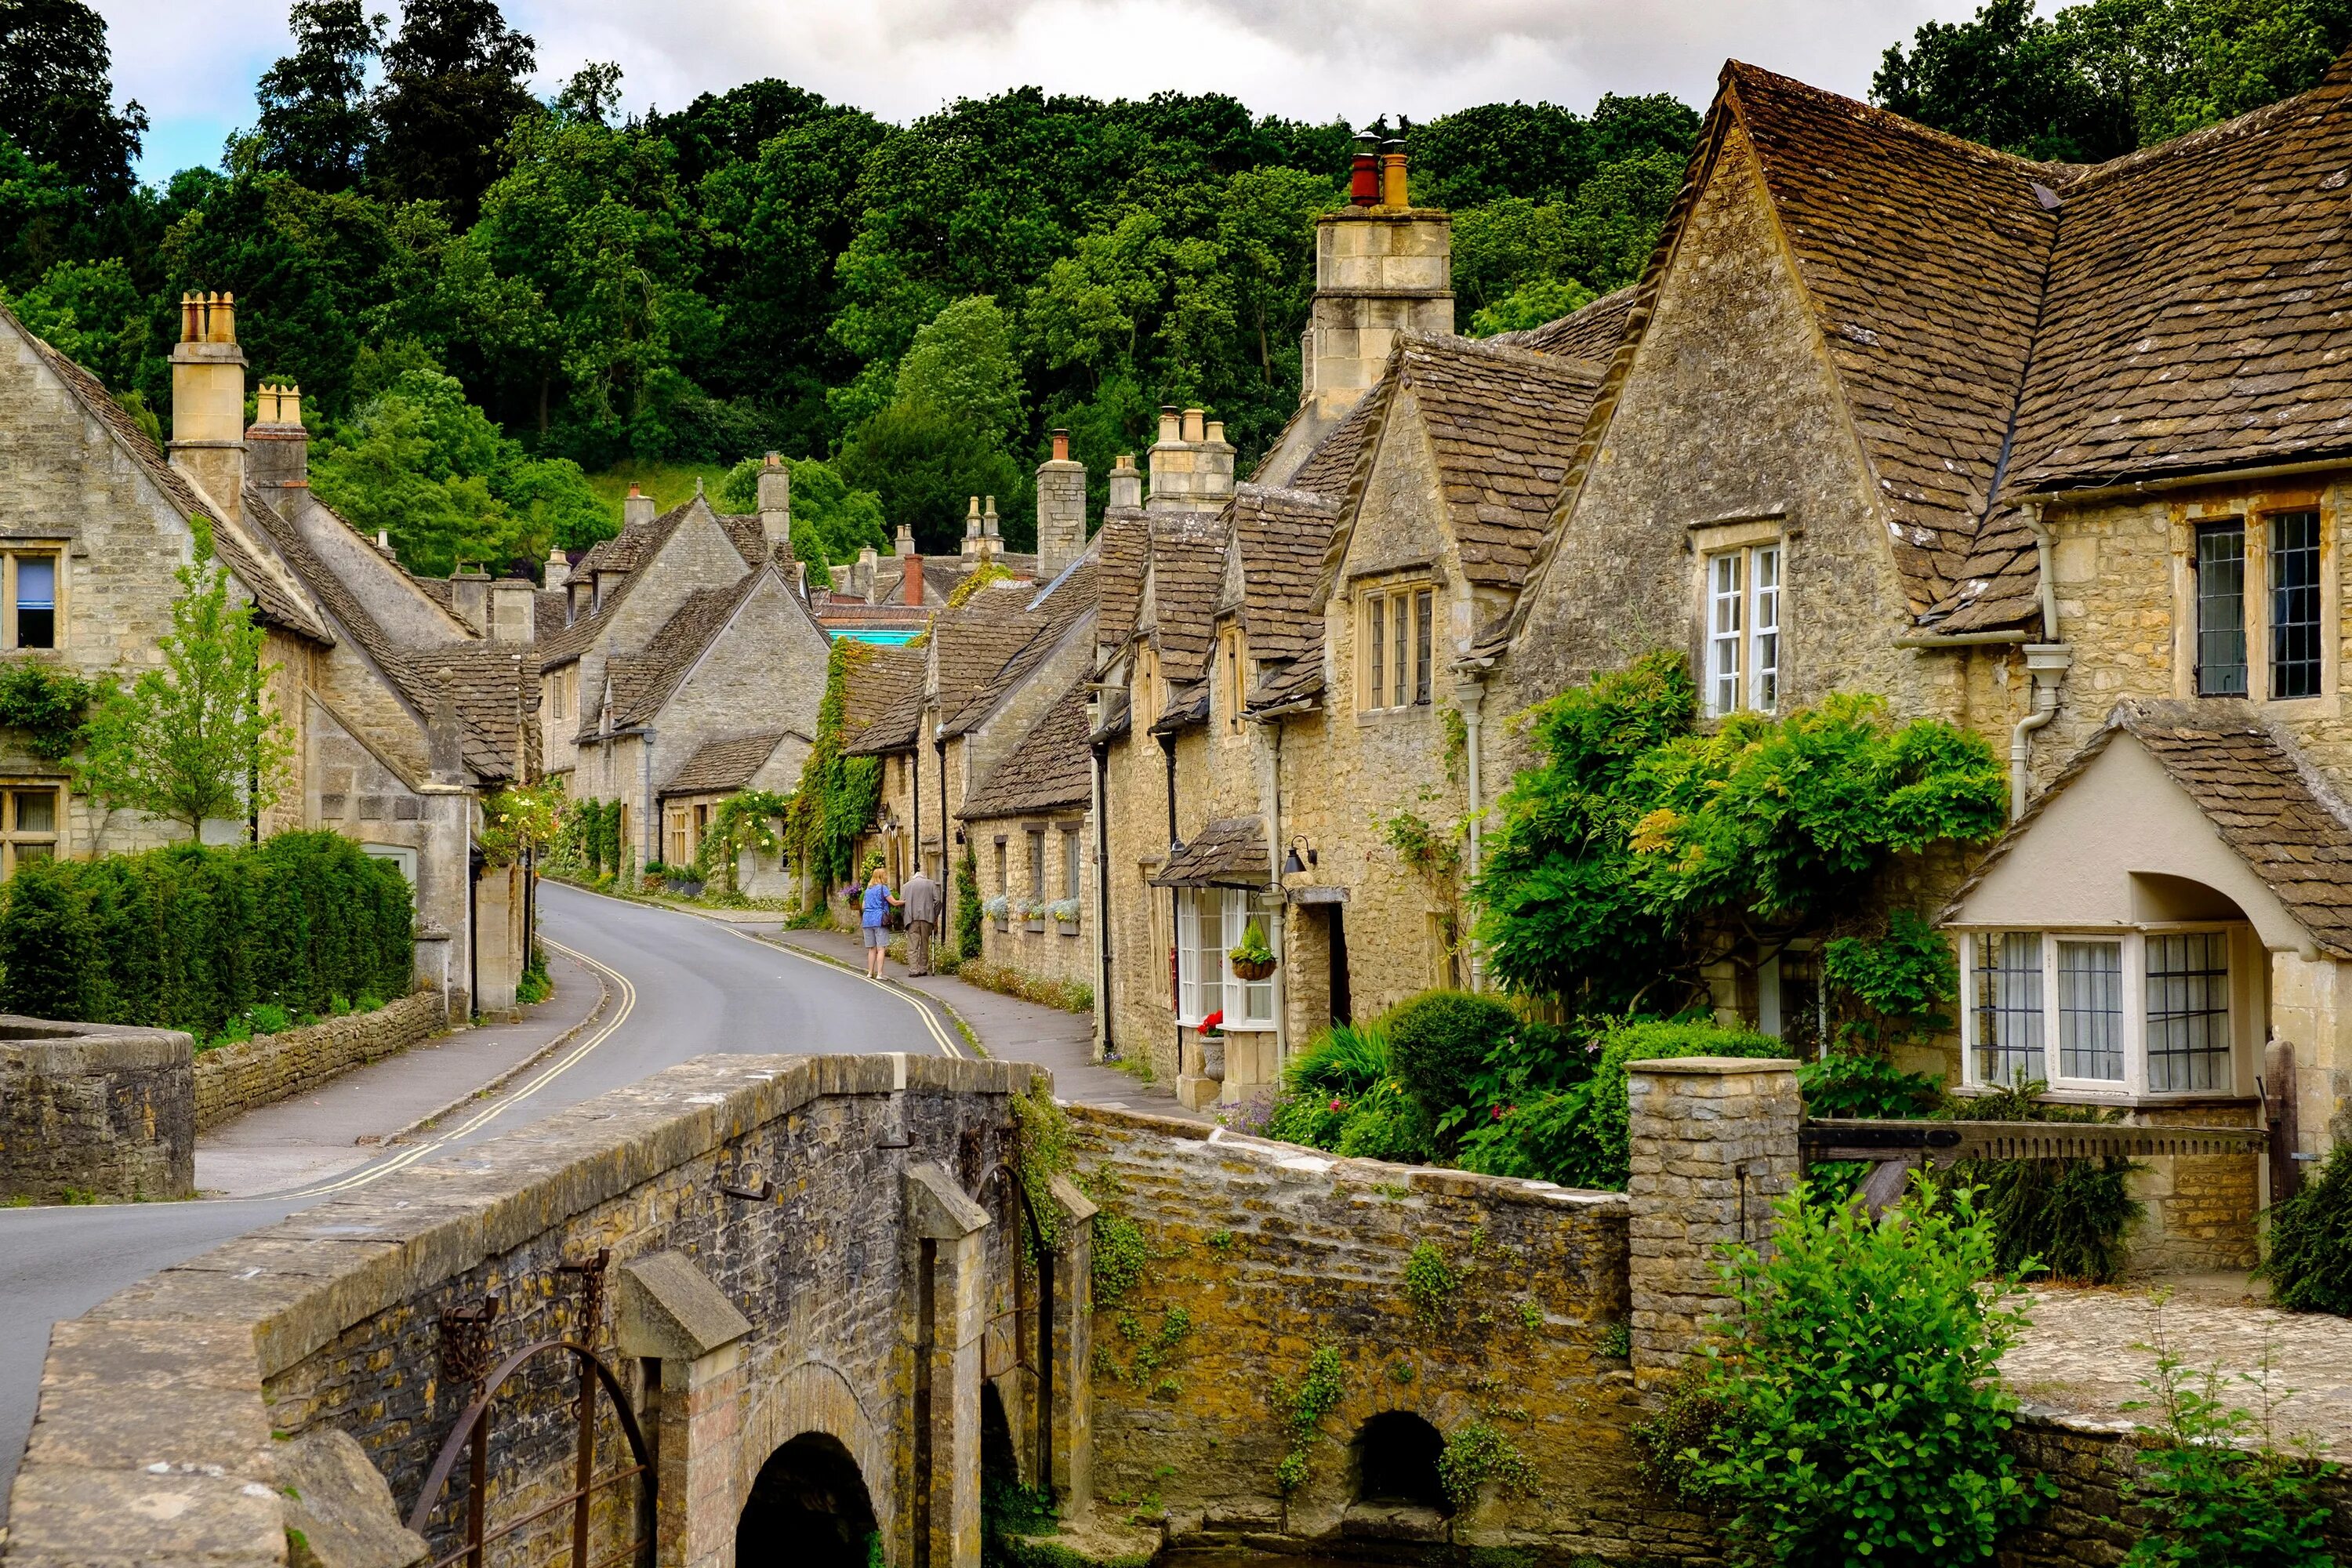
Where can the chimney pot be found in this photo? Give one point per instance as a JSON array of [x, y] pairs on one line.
[[1126, 484], [1170, 422], [636, 507], [1061, 446], [1393, 193], [1194, 432], [988, 519], [558, 572], [1216, 432], [1364, 172]]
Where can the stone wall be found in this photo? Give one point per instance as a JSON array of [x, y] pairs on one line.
[[233, 1079], [1255, 1255], [95, 1110], [1054, 950]]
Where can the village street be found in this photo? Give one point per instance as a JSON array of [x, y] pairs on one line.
[[676, 987]]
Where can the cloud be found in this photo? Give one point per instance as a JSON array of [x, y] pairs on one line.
[[194, 65]]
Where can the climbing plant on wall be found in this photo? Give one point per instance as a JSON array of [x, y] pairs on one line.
[[48, 704], [837, 795]]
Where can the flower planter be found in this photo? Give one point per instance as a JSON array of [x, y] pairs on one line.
[[1252, 969], [1213, 1057], [1035, 928], [1067, 927]]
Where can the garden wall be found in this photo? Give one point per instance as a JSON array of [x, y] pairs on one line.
[[94, 1110], [1473, 1302], [233, 1079]]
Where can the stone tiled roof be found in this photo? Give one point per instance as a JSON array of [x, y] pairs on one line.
[[1122, 546], [1229, 852], [881, 699], [1282, 536], [644, 680], [1296, 681], [1188, 561], [722, 766], [1328, 466], [547, 611], [1051, 768], [1071, 600], [626, 552], [1591, 333], [978, 638], [2263, 799]]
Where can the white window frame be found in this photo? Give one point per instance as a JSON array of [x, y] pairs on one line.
[[1742, 590], [1205, 980], [2242, 989]]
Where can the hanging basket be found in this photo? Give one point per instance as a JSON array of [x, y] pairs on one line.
[[1253, 968]]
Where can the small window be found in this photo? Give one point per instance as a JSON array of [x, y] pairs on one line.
[[2222, 609], [1743, 630], [1001, 885], [1037, 863], [1249, 1004], [2008, 1006], [28, 829], [1069, 864], [2294, 627], [1423, 603], [1399, 647], [31, 583], [1230, 658]]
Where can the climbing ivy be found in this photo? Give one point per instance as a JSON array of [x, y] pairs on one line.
[[837, 795], [1478, 1453], [49, 705], [1154, 1350], [1302, 1406], [1042, 1150], [1430, 1284], [744, 821], [968, 905]]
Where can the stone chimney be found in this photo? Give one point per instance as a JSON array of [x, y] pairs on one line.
[[470, 595], [988, 529], [514, 617], [1126, 484], [1061, 509], [208, 400], [776, 505], [1191, 471], [636, 507], [1382, 266], [558, 570], [840, 576], [277, 446], [904, 544], [865, 580]]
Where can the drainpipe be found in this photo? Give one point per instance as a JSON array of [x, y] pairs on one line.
[[1474, 696], [651, 813], [1104, 1048], [1175, 914], [2046, 662], [948, 870], [1281, 909], [915, 794]]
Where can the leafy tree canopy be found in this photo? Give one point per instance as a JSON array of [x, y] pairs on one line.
[[57, 94], [317, 122]]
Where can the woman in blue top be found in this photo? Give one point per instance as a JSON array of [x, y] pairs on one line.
[[875, 913]]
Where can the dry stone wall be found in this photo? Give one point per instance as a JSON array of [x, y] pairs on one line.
[[233, 1079], [94, 1111]]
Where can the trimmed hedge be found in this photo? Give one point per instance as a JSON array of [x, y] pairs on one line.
[[188, 938]]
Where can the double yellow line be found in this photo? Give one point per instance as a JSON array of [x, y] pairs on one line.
[[939, 1036], [627, 997]]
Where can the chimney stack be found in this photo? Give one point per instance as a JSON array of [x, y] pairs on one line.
[[865, 578], [988, 529], [1191, 470], [1126, 484], [910, 571], [776, 505], [470, 595], [277, 446], [514, 619], [1061, 509], [558, 571], [208, 401], [637, 509], [904, 544], [1393, 181]]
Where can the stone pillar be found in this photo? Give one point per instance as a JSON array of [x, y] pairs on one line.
[[1714, 1143], [948, 1226], [670, 1313], [1071, 1354]]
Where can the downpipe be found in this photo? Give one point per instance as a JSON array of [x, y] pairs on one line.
[[2046, 663]]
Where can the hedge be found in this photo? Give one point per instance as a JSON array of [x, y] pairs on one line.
[[188, 938]]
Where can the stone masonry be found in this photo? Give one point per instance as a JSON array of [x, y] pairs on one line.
[[95, 1110], [233, 1079]]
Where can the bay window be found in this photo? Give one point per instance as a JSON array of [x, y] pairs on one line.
[[1209, 925], [2113, 1013]]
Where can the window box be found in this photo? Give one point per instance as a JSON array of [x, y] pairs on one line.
[[1065, 916]]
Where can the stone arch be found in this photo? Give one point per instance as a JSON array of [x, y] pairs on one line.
[[817, 1397], [1393, 1460], [809, 1505]]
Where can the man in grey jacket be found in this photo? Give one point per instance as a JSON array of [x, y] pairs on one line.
[[922, 901]]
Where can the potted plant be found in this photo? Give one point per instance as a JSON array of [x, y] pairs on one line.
[[1033, 913], [998, 909], [1252, 960], [1212, 1046], [1065, 916]]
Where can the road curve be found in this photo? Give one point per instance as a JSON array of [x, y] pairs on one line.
[[682, 987]]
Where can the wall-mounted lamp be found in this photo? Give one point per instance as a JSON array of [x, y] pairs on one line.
[[1291, 864]]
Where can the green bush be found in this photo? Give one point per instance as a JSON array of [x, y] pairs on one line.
[[1388, 1124], [2071, 1216], [1344, 1060], [1441, 1042], [191, 938], [1840, 1084], [1863, 1419], [2310, 1266]]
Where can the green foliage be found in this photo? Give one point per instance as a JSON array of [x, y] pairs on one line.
[[1440, 1041], [48, 704], [1863, 1415], [1894, 990], [967, 914], [190, 939], [2069, 1217], [1042, 1150], [521, 819], [2218, 1490], [1531, 304], [745, 823], [1301, 1408], [1387, 1123], [1611, 858], [2310, 1261], [1430, 1284], [831, 522], [1069, 995], [1842, 1085], [1252, 949], [837, 795], [200, 737], [1120, 1254], [1477, 1453]]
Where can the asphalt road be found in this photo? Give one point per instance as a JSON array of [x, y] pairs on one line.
[[682, 987]]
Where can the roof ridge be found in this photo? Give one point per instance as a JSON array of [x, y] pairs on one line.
[[1740, 72], [1487, 348], [2205, 138]]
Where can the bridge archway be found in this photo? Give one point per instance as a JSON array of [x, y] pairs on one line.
[[808, 1509], [1394, 1461]]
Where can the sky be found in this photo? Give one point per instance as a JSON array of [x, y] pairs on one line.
[[194, 66]]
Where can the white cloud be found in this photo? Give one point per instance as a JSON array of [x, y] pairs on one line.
[[194, 65]]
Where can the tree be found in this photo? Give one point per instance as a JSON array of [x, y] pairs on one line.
[[198, 739], [960, 367], [454, 85], [831, 522], [2008, 79], [592, 95], [57, 96], [317, 122], [926, 468]]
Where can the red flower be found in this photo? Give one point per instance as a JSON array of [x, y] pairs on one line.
[[1215, 1020], [1338, 1105]]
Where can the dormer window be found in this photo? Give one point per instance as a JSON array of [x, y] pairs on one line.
[[1395, 646]]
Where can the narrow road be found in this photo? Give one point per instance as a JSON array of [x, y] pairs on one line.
[[682, 987]]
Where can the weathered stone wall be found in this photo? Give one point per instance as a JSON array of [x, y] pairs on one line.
[[1255, 1255], [1055, 950], [233, 1079], [1139, 996], [94, 1110]]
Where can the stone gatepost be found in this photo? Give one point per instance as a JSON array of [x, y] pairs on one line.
[[951, 1321], [1713, 1142], [1072, 1351], [670, 1313]]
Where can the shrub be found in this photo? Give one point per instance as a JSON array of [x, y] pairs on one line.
[[1864, 1420], [1345, 1061], [2310, 1265], [2069, 1215], [191, 938], [1388, 1124], [1844, 1085], [1441, 1041]]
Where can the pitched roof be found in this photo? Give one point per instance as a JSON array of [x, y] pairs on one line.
[[978, 638], [1328, 466], [644, 680], [626, 553], [1589, 332], [881, 698], [2264, 801], [1187, 563], [1281, 536], [1050, 767], [1070, 600], [1122, 546], [1228, 852], [722, 766]]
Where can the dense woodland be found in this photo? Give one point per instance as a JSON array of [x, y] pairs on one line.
[[483, 294]]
